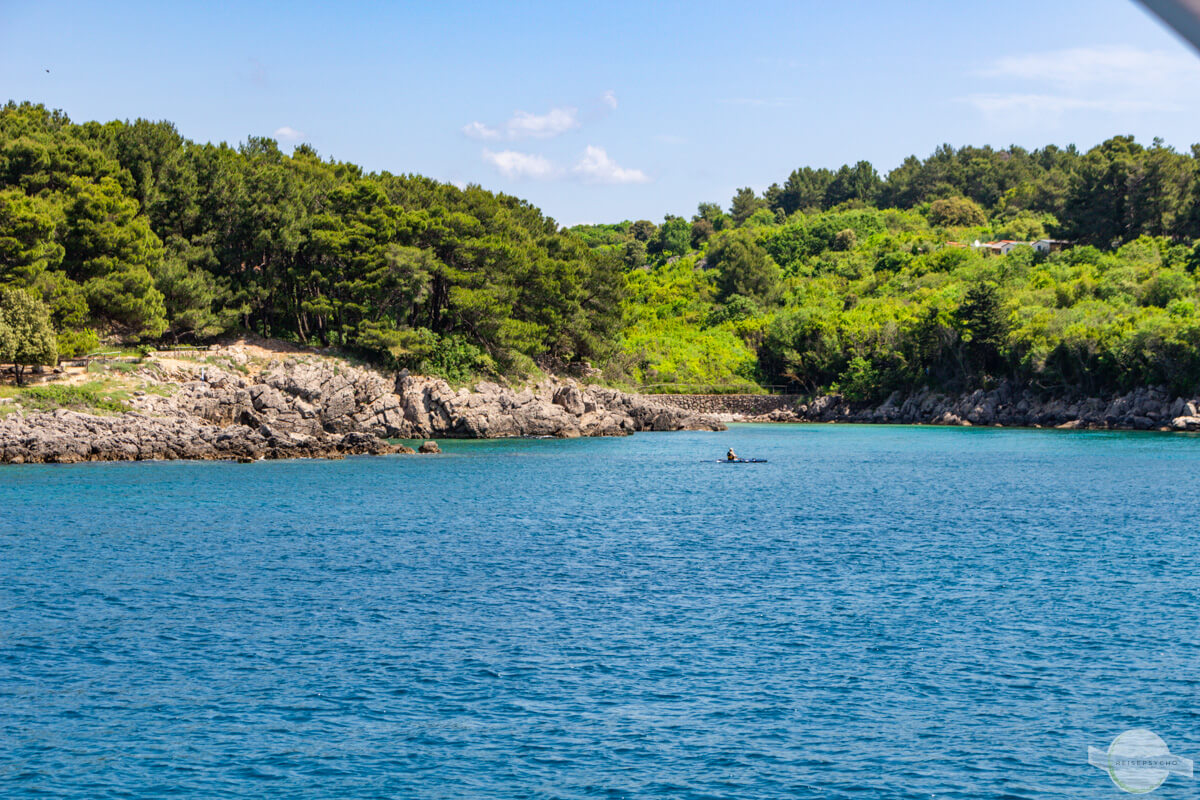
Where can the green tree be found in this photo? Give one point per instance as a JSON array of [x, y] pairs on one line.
[[744, 268], [713, 215], [1161, 196], [674, 237], [982, 326], [633, 254], [26, 336], [860, 182], [111, 252], [198, 305], [27, 245], [860, 380], [956, 212], [41, 152], [1025, 226], [1101, 209], [803, 346], [845, 240], [702, 231], [1192, 260], [804, 189], [643, 230], [745, 203]]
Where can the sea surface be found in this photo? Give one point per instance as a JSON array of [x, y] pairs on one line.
[[878, 612]]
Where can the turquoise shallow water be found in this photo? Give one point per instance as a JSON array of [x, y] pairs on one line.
[[877, 612]]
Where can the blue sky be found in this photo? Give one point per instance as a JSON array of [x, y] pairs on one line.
[[605, 111]]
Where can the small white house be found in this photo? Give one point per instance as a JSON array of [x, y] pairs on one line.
[[998, 248], [1002, 247], [1049, 245]]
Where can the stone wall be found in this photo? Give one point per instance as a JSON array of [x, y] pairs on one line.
[[751, 405]]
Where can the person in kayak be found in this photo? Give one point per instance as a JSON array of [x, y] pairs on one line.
[[731, 456]]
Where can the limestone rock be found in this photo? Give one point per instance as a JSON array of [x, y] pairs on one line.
[[325, 408], [570, 398]]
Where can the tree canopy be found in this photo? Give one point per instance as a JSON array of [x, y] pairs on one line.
[[833, 278], [128, 229], [26, 336]]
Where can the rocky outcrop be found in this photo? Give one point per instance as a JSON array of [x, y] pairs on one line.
[[551, 408], [66, 437], [1151, 408], [322, 407]]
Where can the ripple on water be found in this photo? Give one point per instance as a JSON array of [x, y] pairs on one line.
[[876, 612]]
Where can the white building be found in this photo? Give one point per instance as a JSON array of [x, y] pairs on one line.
[[1003, 247], [998, 248], [1049, 245]]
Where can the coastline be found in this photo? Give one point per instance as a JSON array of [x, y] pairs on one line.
[[232, 406], [247, 402], [1145, 408]]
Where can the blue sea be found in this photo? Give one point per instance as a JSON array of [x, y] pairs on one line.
[[877, 612]]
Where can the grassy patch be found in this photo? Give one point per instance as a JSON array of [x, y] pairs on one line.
[[93, 396]]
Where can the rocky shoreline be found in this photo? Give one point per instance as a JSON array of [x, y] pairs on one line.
[[322, 408], [1150, 408]]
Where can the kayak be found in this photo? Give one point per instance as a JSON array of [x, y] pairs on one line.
[[742, 461]]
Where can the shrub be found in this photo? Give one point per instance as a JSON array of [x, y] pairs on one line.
[[956, 212], [59, 396], [859, 381], [736, 308], [455, 359], [77, 343]]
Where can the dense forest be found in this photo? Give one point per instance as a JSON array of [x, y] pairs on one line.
[[129, 231], [851, 281], [834, 279]]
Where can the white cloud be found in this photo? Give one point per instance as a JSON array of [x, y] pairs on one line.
[[512, 164], [542, 126], [610, 99], [524, 125], [1112, 80], [596, 166], [1119, 67], [477, 130], [288, 134]]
